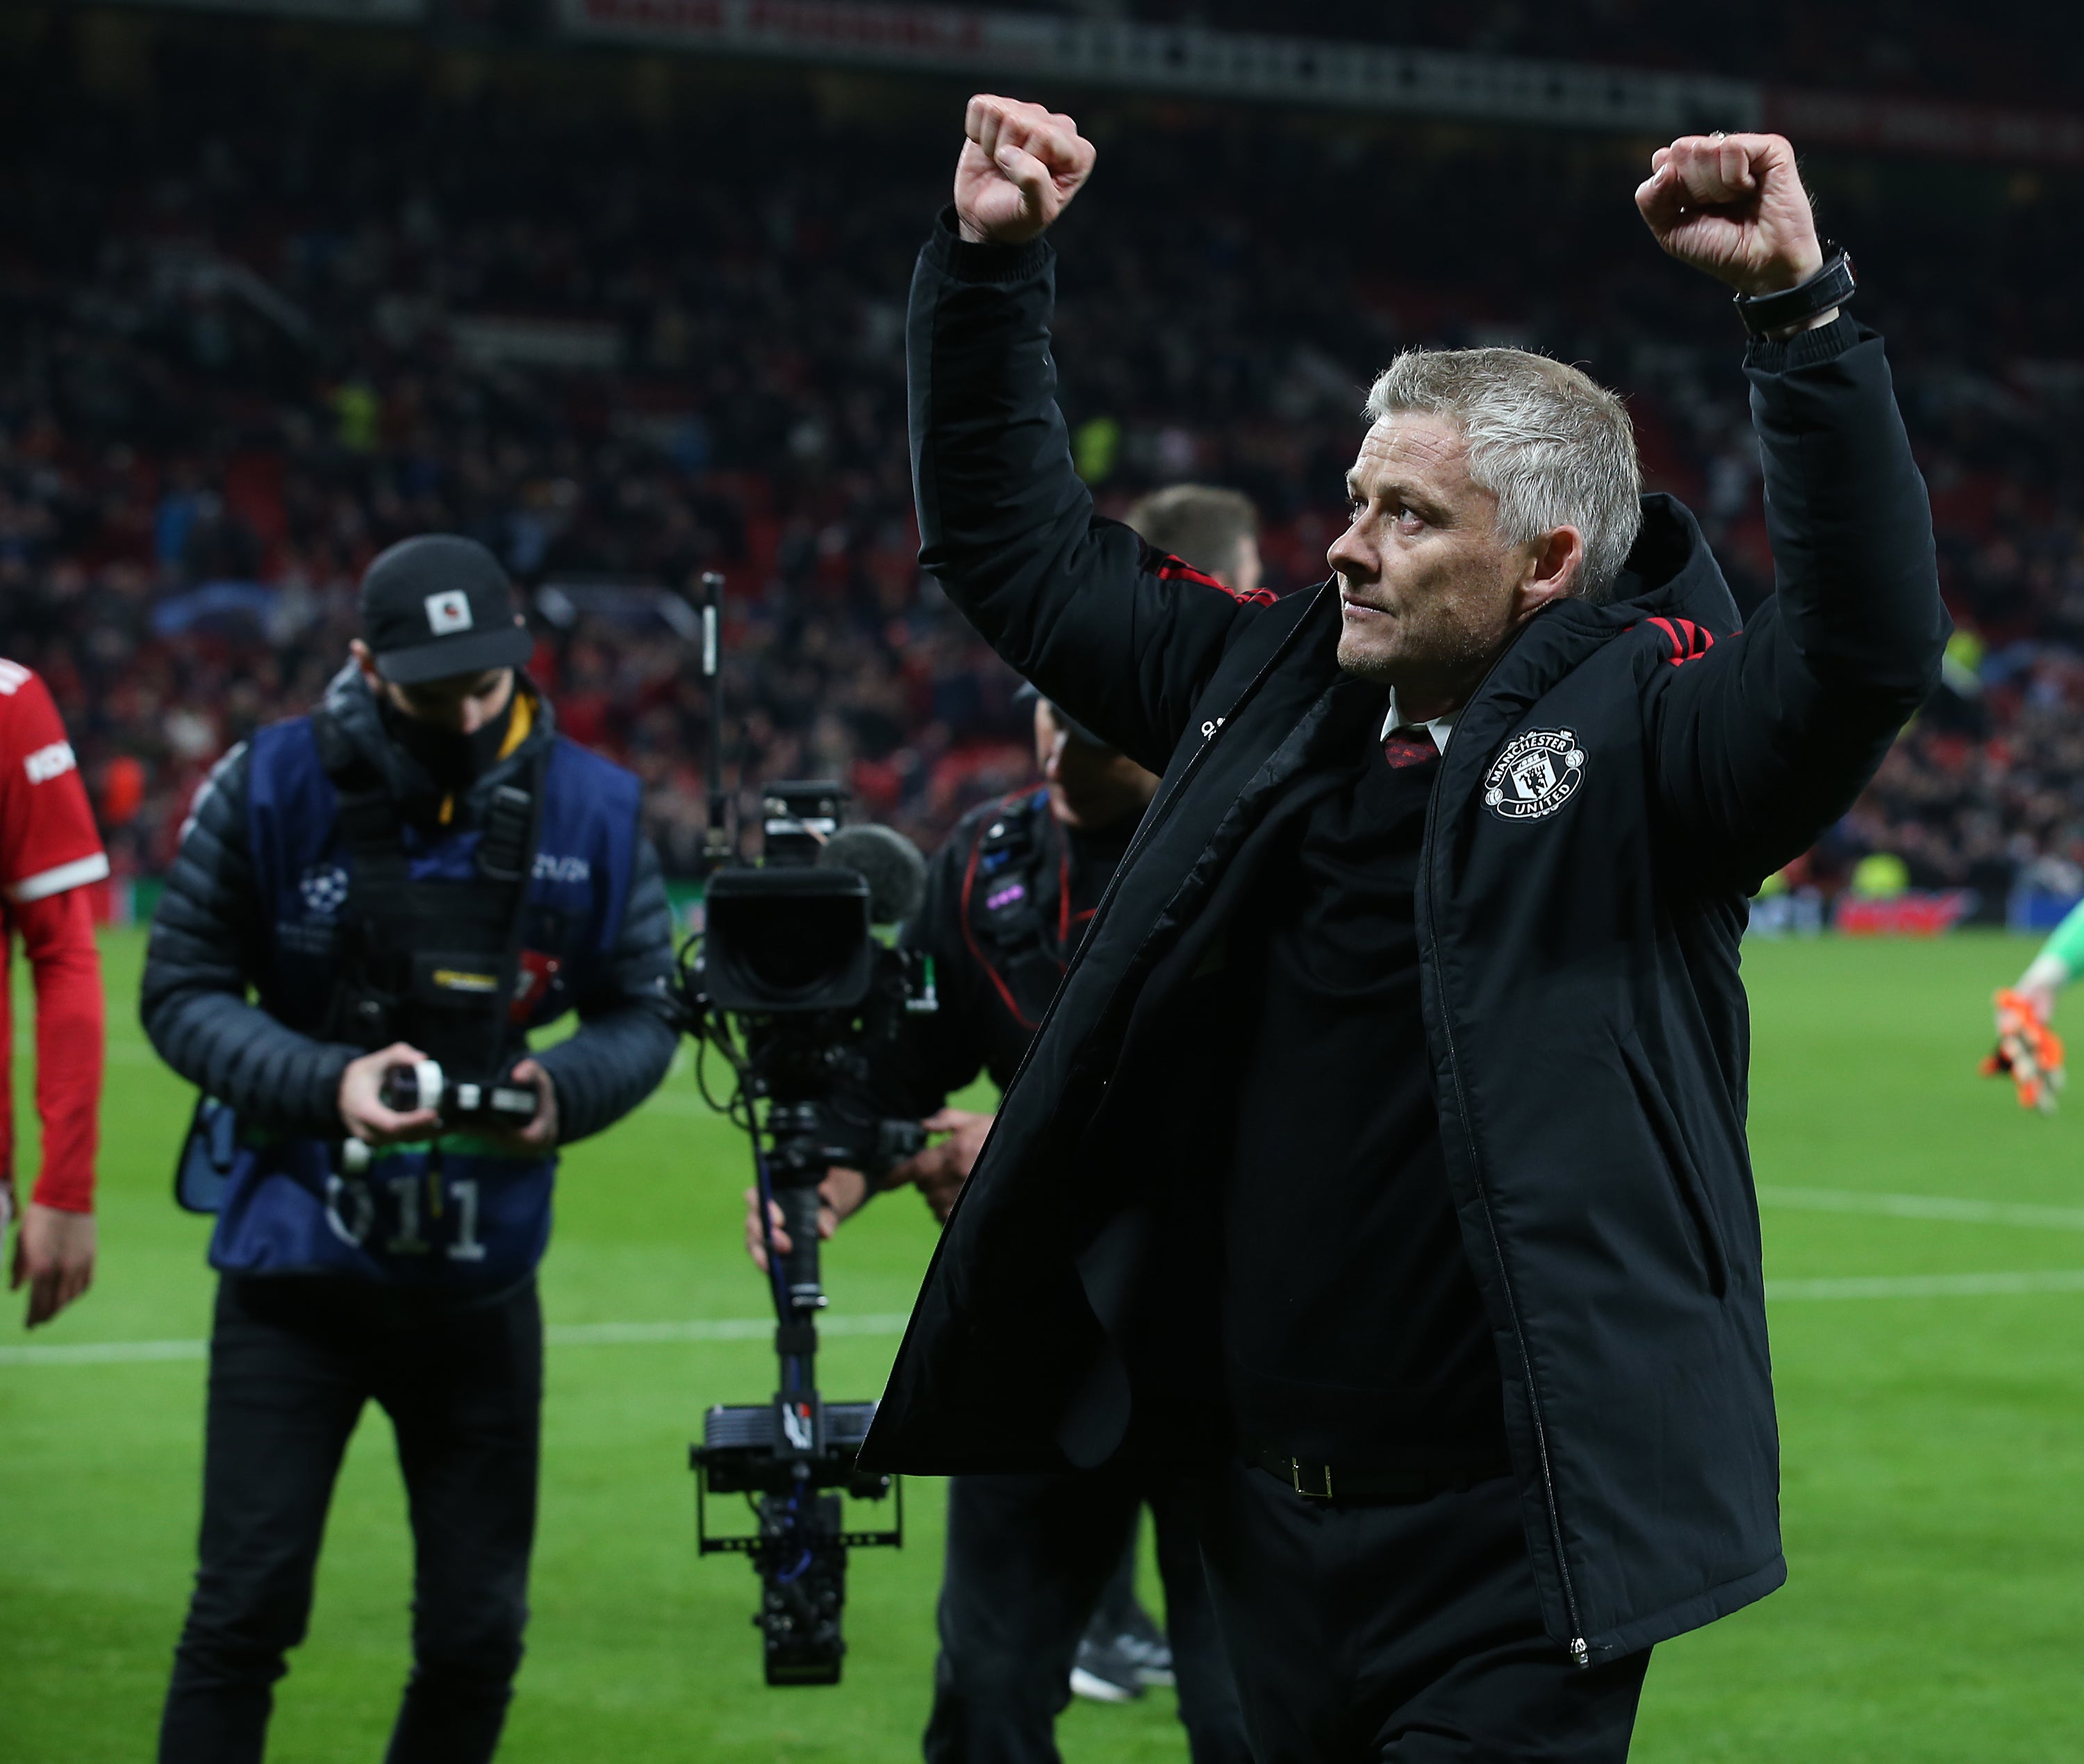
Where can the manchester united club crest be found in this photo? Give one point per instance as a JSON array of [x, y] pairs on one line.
[[1534, 774]]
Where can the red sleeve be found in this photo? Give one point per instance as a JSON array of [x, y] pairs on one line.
[[58, 933], [49, 849], [48, 840]]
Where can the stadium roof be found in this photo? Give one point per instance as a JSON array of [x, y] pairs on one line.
[[1195, 61]]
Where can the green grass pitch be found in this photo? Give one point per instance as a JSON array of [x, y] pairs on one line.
[[1931, 1399]]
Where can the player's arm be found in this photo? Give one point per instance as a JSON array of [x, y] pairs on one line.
[[1771, 734], [50, 853], [2060, 960], [1123, 637], [54, 1253]]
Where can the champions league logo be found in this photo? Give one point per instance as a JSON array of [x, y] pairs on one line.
[[324, 889], [1534, 774]]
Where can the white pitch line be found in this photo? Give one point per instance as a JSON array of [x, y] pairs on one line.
[[712, 1329], [102, 1353], [1966, 1213], [122, 1353], [1929, 1285]]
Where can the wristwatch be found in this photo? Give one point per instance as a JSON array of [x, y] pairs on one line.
[[1832, 285]]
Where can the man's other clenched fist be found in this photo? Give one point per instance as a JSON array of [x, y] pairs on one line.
[[1019, 167], [1733, 206]]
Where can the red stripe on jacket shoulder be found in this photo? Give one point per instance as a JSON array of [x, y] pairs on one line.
[[1167, 568], [1689, 641]]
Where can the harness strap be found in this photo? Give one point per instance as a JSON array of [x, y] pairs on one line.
[[393, 913], [1003, 854], [515, 819], [508, 842], [369, 821]]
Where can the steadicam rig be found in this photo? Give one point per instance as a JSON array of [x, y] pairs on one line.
[[790, 985]]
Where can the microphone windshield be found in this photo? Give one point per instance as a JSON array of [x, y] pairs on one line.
[[887, 860]]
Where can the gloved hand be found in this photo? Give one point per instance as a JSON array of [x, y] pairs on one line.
[[2027, 1050]]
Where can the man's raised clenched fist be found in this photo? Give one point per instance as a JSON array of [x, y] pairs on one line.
[[1733, 206], [1020, 166]]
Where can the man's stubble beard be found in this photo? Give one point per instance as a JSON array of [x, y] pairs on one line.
[[1459, 661], [1353, 658]]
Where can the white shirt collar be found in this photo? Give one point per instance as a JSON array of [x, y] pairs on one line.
[[1439, 729]]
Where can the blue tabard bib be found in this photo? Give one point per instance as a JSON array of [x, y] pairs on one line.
[[450, 1214]]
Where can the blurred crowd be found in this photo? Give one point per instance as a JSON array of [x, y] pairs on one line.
[[259, 317]]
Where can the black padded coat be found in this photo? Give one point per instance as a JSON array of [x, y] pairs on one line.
[[1618, 784]]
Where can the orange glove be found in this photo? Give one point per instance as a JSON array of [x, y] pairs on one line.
[[2028, 1049]]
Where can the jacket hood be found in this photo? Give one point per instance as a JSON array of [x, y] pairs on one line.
[[354, 709], [1671, 577], [1670, 570]]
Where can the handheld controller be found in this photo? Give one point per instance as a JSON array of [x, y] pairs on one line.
[[460, 1103]]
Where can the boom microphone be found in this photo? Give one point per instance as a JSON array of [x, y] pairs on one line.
[[887, 861]]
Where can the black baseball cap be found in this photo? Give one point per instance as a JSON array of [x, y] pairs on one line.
[[439, 606]]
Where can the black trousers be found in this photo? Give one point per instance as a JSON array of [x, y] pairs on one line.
[[292, 1362], [1402, 1632], [1027, 1558]]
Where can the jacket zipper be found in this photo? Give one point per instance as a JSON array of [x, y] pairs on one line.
[[1581, 1653]]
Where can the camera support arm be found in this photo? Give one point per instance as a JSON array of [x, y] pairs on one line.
[[719, 848], [796, 1456], [790, 1169]]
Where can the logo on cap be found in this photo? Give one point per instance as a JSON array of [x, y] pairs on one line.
[[448, 612]]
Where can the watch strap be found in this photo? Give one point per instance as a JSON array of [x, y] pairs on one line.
[[1832, 285]]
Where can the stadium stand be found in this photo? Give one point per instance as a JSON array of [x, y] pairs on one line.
[[274, 297], [2016, 55]]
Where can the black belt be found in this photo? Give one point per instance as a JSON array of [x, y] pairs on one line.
[[1331, 1482]]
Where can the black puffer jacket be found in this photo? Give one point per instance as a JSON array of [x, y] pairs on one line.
[[1622, 776], [206, 953]]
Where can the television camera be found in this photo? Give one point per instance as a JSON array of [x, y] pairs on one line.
[[794, 981]]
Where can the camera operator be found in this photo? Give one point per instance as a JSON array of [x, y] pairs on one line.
[[1033, 1561], [422, 869]]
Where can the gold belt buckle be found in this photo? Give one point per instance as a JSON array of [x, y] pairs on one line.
[[1295, 1477]]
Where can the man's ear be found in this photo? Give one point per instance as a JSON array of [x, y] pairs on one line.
[[1554, 562]]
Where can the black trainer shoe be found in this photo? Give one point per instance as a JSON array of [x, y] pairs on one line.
[[1103, 1671]]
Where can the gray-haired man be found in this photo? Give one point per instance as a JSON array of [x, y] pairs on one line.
[[1383, 1150]]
